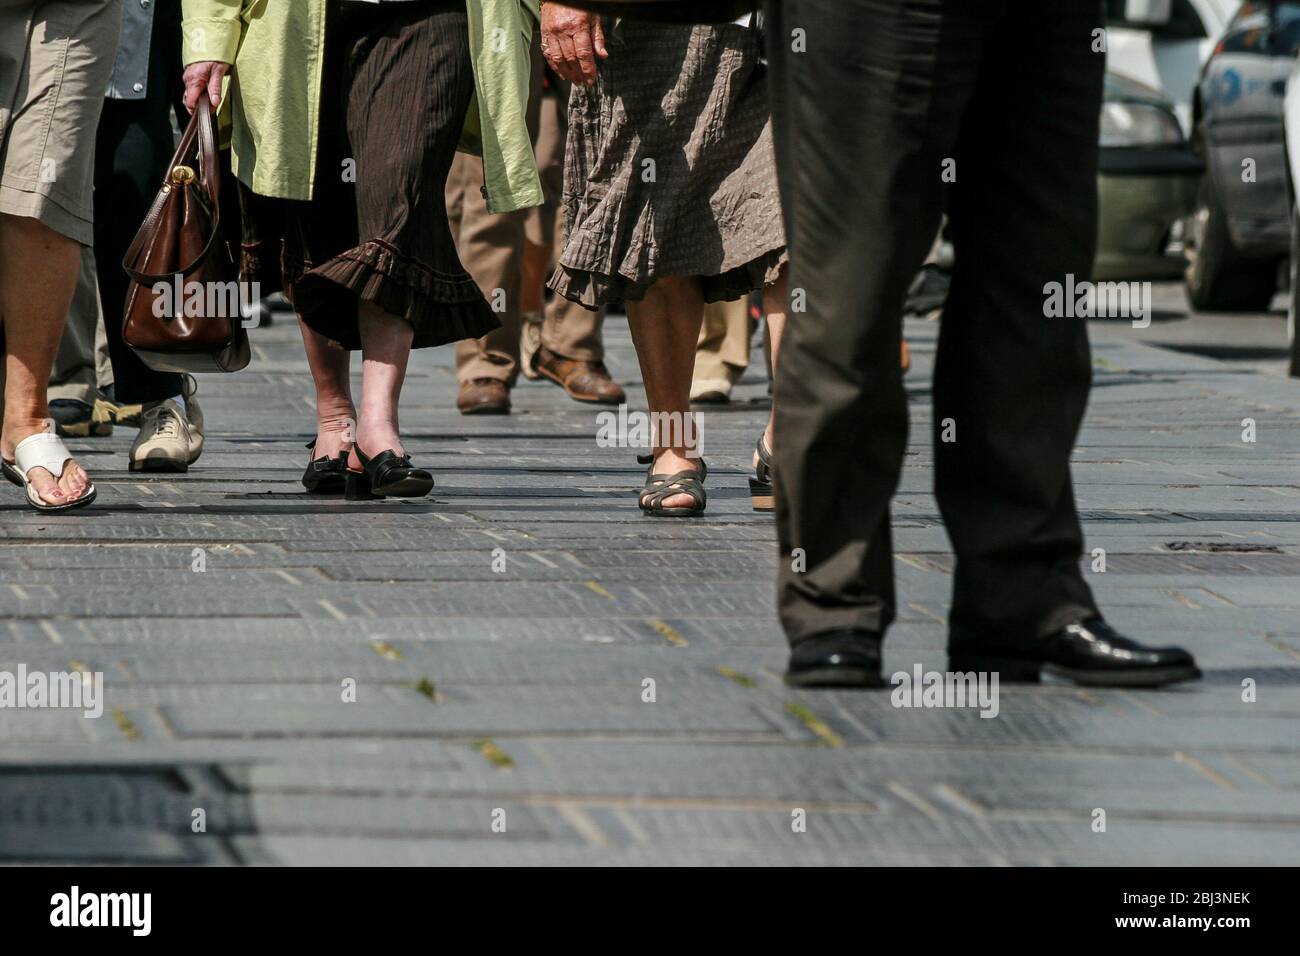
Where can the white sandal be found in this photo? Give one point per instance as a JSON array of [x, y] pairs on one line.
[[42, 450]]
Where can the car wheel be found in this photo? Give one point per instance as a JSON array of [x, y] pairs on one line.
[[1218, 277]]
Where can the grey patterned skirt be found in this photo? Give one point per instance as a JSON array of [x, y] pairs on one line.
[[669, 169]]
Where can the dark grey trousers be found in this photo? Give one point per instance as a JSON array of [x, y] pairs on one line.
[[873, 100]]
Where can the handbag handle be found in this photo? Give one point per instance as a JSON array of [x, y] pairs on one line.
[[203, 129]]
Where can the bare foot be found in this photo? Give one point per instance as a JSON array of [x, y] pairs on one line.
[[71, 485]]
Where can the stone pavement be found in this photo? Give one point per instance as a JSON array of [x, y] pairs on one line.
[[517, 696]]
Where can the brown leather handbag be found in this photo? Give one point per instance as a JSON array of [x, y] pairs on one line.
[[184, 305]]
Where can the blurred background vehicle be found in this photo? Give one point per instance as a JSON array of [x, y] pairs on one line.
[[1291, 124], [1146, 186], [1239, 237], [1163, 43], [1147, 183]]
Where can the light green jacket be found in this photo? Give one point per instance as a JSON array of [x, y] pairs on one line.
[[273, 96]]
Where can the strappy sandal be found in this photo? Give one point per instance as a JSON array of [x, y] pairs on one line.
[[43, 450], [325, 475], [659, 488], [760, 486], [387, 475]]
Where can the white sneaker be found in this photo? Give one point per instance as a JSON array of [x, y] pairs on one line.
[[194, 414], [165, 441]]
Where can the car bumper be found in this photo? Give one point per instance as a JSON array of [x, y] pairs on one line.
[[1150, 161], [1143, 194]]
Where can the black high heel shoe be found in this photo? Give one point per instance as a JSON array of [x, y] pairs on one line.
[[387, 475], [324, 475]]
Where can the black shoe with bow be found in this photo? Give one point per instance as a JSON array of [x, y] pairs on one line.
[[1091, 653], [387, 475], [325, 475]]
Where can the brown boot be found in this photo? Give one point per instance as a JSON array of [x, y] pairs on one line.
[[584, 381], [484, 396]]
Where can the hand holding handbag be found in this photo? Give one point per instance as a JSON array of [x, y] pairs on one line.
[[184, 305]]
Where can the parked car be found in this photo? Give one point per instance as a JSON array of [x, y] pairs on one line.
[[1291, 123], [1240, 234], [1146, 186], [1163, 44]]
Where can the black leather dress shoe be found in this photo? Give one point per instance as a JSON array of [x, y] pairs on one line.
[[1090, 653], [836, 659]]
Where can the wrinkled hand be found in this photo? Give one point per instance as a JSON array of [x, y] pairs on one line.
[[571, 41], [204, 77]]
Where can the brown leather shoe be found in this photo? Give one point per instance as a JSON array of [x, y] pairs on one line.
[[584, 381], [484, 396]]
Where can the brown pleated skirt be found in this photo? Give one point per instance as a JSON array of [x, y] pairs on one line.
[[397, 84], [669, 167]]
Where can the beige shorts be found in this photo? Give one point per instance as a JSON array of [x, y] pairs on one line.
[[56, 57]]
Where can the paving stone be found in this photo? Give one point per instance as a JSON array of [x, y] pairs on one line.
[[224, 687]]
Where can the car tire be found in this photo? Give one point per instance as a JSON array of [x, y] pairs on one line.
[[1218, 277]]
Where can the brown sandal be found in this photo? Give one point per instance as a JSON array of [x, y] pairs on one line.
[[659, 488]]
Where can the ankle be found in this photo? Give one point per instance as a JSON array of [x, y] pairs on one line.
[[375, 428], [677, 457], [341, 427], [19, 427]]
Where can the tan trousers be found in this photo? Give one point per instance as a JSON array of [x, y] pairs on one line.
[[722, 352], [491, 248], [81, 366]]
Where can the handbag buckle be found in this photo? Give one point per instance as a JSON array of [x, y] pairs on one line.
[[182, 175]]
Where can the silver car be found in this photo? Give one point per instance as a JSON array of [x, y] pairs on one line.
[[1240, 234]]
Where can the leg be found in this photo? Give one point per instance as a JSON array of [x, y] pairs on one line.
[[775, 297], [133, 145], [74, 378], [722, 353], [572, 332], [385, 349], [566, 346], [38, 271], [665, 326], [62, 58], [336, 416], [1012, 382], [841, 411], [491, 247]]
